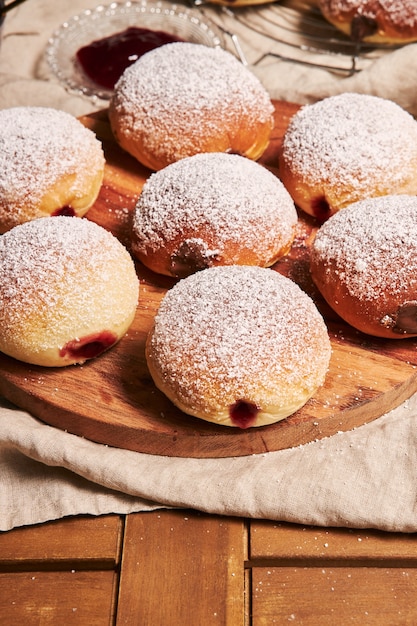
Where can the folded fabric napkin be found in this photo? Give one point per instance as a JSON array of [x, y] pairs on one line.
[[360, 479], [366, 478]]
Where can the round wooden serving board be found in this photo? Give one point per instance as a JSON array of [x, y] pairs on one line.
[[112, 399]]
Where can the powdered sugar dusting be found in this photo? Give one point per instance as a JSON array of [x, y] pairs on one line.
[[59, 275], [226, 197], [239, 332], [355, 141], [174, 93], [371, 247], [38, 146], [400, 13]]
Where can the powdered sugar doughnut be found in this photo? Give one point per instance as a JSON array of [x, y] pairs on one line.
[[50, 164], [376, 21], [212, 209], [240, 3], [346, 148], [184, 98], [364, 262], [68, 291], [239, 346]]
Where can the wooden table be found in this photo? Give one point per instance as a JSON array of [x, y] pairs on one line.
[[189, 569]]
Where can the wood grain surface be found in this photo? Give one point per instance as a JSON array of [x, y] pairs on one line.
[[112, 399]]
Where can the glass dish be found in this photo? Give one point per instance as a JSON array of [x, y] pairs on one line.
[[103, 21]]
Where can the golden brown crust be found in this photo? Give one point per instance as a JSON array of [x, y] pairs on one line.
[[240, 3], [238, 346], [212, 209], [346, 148], [50, 164], [182, 99], [373, 21], [69, 291], [363, 261], [183, 256]]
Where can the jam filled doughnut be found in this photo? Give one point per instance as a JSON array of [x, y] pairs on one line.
[[240, 3], [184, 98], [212, 209], [364, 263], [375, 21], [238, 346], [50, 164], [346, 148], [68, 291]]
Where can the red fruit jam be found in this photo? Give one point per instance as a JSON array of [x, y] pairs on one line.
[[105, 60], [363, 27], [321, 209], [88, 347], [243, 414], [64, 210]]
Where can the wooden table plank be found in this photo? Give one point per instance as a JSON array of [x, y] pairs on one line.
[[69, 598], [328, 596], [289, 543], [80, 542], [180, 568]]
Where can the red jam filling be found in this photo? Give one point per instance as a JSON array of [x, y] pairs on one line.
[[243, 414], [64, 210], [321, 209], [362, 27], [105, 60], [88, 347]]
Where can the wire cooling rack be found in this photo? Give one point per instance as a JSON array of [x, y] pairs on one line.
[[298, 33]]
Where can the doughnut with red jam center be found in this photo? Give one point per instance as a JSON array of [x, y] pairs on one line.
[[212, 209], [376, 21], [50, 164], [364, 263], [240, 346], [346, 148], [68, 291]]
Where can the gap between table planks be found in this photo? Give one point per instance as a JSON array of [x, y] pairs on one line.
[[112, 399]]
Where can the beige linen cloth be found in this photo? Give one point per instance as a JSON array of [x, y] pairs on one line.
[[366, 478]]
